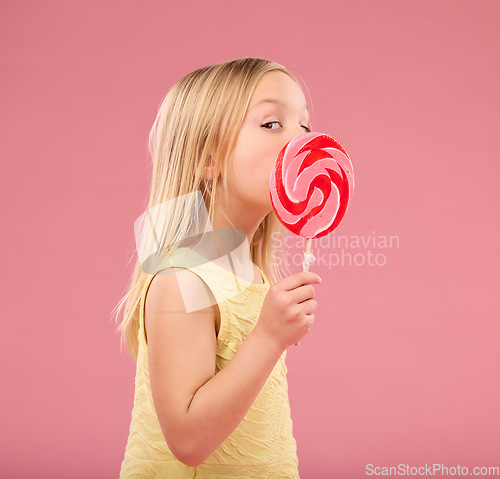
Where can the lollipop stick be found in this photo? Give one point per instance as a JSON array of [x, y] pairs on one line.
[[308, 258]]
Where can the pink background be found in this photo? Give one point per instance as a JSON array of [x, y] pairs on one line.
[[402, 364]]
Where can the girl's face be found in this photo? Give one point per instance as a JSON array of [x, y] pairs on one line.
[[277, 113]]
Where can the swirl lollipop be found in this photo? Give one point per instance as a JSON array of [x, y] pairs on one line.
[[310, 186]]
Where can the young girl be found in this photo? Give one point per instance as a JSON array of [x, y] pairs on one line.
[[209, 322]]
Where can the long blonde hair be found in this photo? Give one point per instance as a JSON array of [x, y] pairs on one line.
[[186, 133]]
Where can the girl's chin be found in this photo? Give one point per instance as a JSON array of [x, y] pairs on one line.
[[263, 208], [267, 208]]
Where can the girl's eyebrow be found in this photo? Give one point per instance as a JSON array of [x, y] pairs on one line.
[[275, 100]]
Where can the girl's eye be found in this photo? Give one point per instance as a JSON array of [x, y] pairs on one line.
[[269, 126], [265, 125]]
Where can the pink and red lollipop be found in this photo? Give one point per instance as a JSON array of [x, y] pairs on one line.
[[311, 185]]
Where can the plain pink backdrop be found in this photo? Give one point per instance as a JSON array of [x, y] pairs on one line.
[[402, 365]]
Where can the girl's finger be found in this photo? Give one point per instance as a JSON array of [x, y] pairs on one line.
[[308, 307], [295, 280], [302, 293]]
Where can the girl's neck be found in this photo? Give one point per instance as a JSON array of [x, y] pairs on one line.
[[227, 247], [231, 231], [237, 214]]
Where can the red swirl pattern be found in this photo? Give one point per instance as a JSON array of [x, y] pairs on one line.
[[311, 184]]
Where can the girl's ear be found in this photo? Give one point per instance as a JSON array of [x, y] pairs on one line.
[[209, 171]]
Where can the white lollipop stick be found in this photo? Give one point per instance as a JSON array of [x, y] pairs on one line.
[[308, 256], [308, 259]]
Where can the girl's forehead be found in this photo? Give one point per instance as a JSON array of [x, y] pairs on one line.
[[277, 88]]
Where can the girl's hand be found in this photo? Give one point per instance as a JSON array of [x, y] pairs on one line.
[[288, 309]]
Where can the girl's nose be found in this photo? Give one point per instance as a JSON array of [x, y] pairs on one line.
[[296, 131]]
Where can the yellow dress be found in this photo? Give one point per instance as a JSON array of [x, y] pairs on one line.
[[262, 445]]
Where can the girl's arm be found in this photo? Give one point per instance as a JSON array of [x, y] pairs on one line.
[[197, 408]]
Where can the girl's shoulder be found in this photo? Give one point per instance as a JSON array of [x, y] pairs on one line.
[[177, 291]]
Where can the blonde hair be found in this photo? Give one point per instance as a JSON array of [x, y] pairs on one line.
[[199, 119]]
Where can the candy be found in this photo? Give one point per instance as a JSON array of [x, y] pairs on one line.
[[311, 185]]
